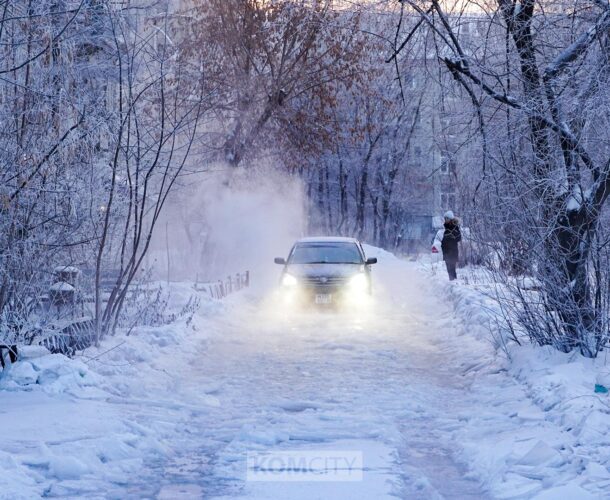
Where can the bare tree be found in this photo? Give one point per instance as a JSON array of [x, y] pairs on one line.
[[548, 71], [367, 179], [45, 139], [272, 67], [97, 124], [157, 114]]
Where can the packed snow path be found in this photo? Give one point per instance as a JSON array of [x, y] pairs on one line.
[[387, 384], [401, 383]]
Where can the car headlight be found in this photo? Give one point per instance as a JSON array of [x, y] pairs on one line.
[[359, 282], [289, 280]]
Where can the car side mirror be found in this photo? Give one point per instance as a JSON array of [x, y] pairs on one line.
[[280, 260], [372, 260]]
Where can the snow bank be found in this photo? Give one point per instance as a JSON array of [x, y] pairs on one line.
[[52, 373], [561, 449], [82, 427], [432, 395]]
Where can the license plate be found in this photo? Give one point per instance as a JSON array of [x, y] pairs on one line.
[[324, 298]]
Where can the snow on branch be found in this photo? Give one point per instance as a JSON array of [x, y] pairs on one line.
[[571, 53]]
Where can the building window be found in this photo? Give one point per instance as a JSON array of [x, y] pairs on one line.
[[410, 81], [444, 164], [448, 201], [465, 33], [447, 127], [416, 156], [447, 164]]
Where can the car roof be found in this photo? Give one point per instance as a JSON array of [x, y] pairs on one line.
[[327, 239]]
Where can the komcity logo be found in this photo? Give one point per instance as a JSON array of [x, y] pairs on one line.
[[305, 465]]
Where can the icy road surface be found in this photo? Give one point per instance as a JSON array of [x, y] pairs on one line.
[[384, 382], [171, 413]]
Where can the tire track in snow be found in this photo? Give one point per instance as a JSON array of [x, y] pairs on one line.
[[385, 383]]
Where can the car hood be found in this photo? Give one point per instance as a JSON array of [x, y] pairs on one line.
[[327, 270]]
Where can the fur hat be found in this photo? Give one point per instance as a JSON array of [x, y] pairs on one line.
[[449, 215]]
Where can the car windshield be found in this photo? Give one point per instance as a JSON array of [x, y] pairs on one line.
[[325, 253]]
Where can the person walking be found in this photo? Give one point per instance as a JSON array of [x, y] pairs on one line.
[[451, 237]]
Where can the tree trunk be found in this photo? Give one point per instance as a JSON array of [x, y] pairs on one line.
[[361, 203], [342, 196]]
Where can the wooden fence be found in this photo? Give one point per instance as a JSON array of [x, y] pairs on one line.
[[221, 288], [78, 334]]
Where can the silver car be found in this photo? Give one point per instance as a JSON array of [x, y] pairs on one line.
[[326, 271]]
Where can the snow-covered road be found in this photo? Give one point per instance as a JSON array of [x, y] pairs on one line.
[[172, 414], [386, 383]]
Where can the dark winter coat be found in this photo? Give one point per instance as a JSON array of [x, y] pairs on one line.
[[451, 238]]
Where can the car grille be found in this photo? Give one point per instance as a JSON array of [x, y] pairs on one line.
[[324, 280]]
